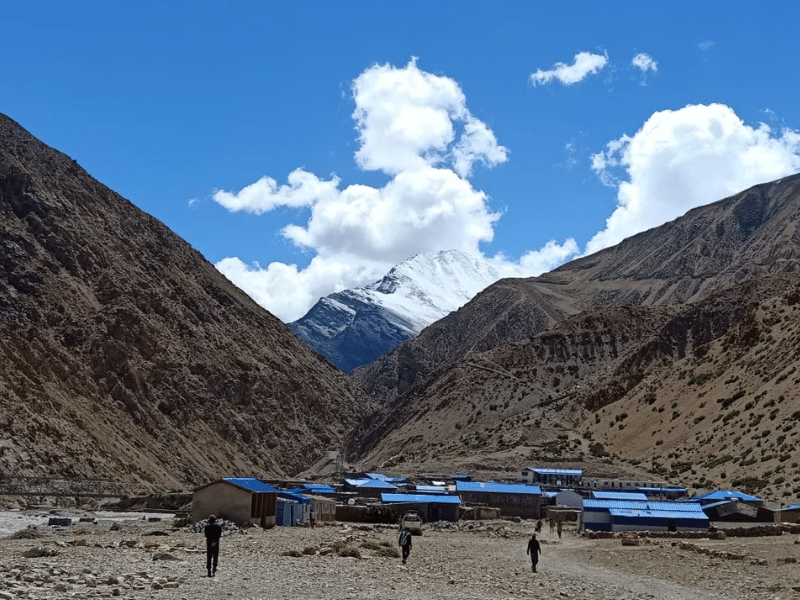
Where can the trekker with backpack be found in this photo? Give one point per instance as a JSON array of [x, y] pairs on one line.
[[405, 543]]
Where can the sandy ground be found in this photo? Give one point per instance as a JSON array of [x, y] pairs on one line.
[[150, 560]]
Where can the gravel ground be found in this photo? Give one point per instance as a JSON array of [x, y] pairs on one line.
[[142, 560]]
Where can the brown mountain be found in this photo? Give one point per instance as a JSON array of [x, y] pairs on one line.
[[577, 363], [124, 354], [750, 234]]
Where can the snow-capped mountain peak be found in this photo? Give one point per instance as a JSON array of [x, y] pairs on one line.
[[355, 326]]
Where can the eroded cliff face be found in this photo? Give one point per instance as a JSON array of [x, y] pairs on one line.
[[124, 354]]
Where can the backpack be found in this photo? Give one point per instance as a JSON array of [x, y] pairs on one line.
[[404, 537]]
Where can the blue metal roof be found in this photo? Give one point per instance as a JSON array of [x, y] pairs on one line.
[[380, 476], [293, 496], [421, 498], [659, 514], [619, 496], [317, 488], [431, 489], [356, 482], [250, 483], [726, 495], [691, 507], [497, 488], [379, 484], [792, 507], [557, 471]]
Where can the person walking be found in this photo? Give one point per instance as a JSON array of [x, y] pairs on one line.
[[559, 526], [538, 528], [213, 533], [405, 543], [534, 550]]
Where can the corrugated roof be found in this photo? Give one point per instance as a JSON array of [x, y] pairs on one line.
[[663, 514], [303, 499], [380, 476], [727, 495], [691, 507], [319, 488], [497, 488], [557, 471], [420, 498], [379, 484], [356, 482], [250, 483], [619, 496], [431, 489]]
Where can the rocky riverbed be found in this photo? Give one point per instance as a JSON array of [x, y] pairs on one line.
[[146, 559]]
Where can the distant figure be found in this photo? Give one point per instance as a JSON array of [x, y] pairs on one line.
[[312, 516], [552, 526], [671, 525], [558, 529], [405, 543], [534, 550], [213, 532], [538, 529]]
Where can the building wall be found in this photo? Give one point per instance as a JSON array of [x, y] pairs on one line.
[[324, 509], [223, 500], [233, 503], [515, 505]]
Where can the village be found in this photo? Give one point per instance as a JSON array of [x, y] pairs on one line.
[[604, 539], [555, 495]]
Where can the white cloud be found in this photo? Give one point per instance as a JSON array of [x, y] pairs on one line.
[[548, 258], [407, 118], [584, 65], [413, 126], [686, 158], [644, 62]]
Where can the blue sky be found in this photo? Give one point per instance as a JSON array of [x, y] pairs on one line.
[[307, 147]]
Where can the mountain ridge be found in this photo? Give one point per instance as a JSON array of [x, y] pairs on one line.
[[355, 326]]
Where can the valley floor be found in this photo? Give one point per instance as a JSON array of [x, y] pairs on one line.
[[488, 561]]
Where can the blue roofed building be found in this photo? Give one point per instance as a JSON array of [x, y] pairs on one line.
[[552, 477], [242, 500], [320, 489], [719, 495], [637, 515], [431, 507], [513, 499], [600, 495], [371, 488]]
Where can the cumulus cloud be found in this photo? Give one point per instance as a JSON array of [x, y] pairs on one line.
[[553, 254], [415, 127], [681, 159], [585, 64], [644, 62]]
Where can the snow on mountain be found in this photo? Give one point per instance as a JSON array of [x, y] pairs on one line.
[[355, 326]]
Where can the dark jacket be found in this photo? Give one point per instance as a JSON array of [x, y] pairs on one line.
[[534, 548], [213, 532]]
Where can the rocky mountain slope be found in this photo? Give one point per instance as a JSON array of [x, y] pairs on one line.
[[674, 351], [750, 234], [354, 327], [124, 354], [702, 394]]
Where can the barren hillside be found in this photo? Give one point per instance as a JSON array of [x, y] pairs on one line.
[[748, 235], [124, 354]]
